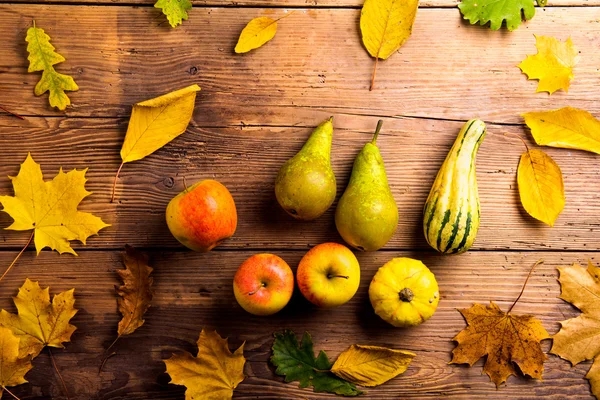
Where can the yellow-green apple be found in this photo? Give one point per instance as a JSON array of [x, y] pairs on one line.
[[328, 275], [263, 284], [202, 216]]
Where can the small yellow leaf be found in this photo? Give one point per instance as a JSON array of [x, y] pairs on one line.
[[157, 121], [567, 127], [552, 65], [371, 365], [12, 368], [541, 186], [50, 208], [258, 32], [506, 339], [213, 373], [385, 26], [40, 323], [593, 376]]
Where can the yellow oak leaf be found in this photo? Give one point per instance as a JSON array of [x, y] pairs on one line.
[[371, 365], [213, 373], [135, 292], [42, 57], [155, 122], [541, 187], [385, 26], [552, 65], [579, 338], [38, 322], [505, 338], [567, 127], [258, 32], [50, 208], [12, 368]]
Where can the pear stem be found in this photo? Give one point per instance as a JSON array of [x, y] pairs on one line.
[[379, 124]]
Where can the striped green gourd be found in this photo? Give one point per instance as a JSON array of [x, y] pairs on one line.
[[451, 213]]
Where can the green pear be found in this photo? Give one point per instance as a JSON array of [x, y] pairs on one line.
[[305, 185], [367, 215]]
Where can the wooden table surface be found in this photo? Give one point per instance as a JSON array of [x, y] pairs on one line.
[[255, 111]]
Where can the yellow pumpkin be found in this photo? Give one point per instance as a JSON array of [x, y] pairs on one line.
[[404, 292]]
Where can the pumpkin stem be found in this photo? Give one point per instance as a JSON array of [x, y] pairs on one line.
[[406, 295]]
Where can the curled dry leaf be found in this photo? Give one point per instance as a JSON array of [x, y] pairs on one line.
[[385, 26], [12, 368], [213, 373], [579, 338], [541, 187], [40, 323], [258, 32], [135, 292], [552, 65], [371, 365], [505, 338], [568, 127], [42, 57], [155, 122], [297, 362], [174, 10]]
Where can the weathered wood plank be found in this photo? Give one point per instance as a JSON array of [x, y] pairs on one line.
[[294, 3], [120, 55], [193, 291], [247, 159]]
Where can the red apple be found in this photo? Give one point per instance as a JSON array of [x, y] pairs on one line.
[[202, 216], [263, 284], [328, 275]]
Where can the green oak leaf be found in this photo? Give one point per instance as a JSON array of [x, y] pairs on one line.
[[42, 57], [497, 11], [175, 10], [298, 363]]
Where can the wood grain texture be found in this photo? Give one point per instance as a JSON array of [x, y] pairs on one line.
[[247, 159], [316, 62], [193, 291]]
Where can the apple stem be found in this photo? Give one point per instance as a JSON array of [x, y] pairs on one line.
[[185, 184], [262, 285], [337, 276]]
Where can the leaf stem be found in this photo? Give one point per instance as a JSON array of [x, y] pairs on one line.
[[106, 359], [373, 76], [11, 113], [285, 16], [112, 197], [525, 284], [18, 255], [58, 372], [9, 392], [519, 137]]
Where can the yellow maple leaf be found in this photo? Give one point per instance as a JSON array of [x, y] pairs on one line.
[[506, 339], [541, 187], [38, 322], [213, 373], [579, 338], [258, 32], [567, 127], [552, 65], [385, 25], [371, 365], [12, 368], [42, 57], [155, 122]]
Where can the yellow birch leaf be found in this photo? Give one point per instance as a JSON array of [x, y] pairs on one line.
[[579, 338], [12, 368], [42, 57], [371, 365], [258, 32], [213, 373], [50, 208], [385, 26], [155, 122], [567, 127], [541, 186], [40, 323], [552, 65], [506, 339]]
